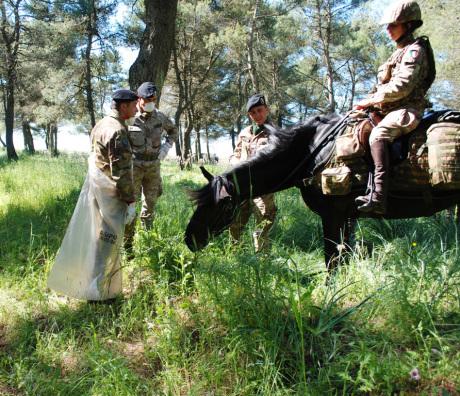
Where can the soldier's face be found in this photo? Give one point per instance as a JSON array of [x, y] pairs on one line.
[[396, 30], [259, 114], [128, 109], [144, 103]]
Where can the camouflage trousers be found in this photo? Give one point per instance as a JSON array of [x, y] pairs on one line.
[[264, 210], [147, 184], [395, 124]]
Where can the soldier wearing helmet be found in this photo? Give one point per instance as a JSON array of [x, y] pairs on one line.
[[403, 81]]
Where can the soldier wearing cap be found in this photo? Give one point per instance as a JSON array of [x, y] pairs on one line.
[[250, 140], [146, 137], [403, 81], [110, 143]]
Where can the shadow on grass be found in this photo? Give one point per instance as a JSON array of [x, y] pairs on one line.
[[32, 235], [72, 351]]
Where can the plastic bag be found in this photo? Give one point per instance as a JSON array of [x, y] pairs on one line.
[[87, 265]]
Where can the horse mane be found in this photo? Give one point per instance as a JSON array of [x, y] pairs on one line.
[[281, 139]]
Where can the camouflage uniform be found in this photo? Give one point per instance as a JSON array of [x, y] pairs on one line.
[[400, 93], [263, 207], [145, 137], [113, 156]]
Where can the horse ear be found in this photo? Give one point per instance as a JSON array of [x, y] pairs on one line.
[[206, 174]]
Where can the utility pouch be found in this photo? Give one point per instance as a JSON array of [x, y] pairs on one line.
[[348, 146], [336, 181]]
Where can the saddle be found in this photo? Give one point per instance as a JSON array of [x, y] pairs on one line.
[[428, 156]]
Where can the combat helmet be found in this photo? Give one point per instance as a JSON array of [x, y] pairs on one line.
[[403, 11]]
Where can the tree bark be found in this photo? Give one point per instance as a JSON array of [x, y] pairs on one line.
[[252, 69], [10, 42], [325, 36], [90, 32], [157, 42], [9, 120], [206, 135], [28, 138], [51, 138]]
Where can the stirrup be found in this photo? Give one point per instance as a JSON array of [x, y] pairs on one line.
[[362, 200], [373, 207]]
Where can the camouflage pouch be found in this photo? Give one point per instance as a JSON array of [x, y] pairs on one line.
[[443, 143], [336, 181], [348, 146]]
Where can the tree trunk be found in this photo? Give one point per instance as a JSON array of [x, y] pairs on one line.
[[206, 135], [90, 30], [54, 130], [187, 141], [10, 32], [28, 138], [51, 138], [325, 36], [156, 45], [180, 140], [352, 72], [199, 154], [9, 120], [252, 69]]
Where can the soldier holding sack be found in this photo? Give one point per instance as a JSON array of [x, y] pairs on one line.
[[148, 150], [87, 265], [403, 82], [250, 141]]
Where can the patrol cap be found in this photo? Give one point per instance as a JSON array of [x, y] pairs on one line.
[[256, 100], [402, 11], [147, 90], [124, 95]]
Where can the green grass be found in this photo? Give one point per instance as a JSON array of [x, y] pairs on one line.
[[225, 321]]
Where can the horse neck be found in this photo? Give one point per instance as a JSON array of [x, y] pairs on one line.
[[270, 173]]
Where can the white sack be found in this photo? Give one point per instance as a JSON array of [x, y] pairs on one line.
[[87, 265]]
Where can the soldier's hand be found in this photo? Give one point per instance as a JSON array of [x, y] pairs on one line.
[[363, 104]]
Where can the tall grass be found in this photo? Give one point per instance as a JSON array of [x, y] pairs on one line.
[[225, 321]]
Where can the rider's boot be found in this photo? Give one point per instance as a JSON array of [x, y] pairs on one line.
[[378, 199]]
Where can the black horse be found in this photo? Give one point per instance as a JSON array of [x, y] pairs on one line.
[[293, 158]]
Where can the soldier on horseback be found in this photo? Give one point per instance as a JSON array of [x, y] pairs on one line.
[[399, 95]]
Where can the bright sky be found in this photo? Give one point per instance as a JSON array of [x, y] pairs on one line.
[[72, 140]]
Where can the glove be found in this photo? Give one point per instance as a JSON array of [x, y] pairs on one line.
[[130, 213], [164, 150]]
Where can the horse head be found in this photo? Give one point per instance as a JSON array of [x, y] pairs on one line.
[[217, 203]]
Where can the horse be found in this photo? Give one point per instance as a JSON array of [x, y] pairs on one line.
[[295, 157]]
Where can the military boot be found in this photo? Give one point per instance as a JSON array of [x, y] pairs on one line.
[[377, 202]]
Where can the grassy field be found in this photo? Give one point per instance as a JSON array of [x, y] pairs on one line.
[[225, 321]]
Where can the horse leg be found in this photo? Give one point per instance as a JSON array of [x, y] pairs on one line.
[[334, 232], [349, 233]]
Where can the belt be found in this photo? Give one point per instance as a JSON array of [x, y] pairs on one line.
[[145, 157]]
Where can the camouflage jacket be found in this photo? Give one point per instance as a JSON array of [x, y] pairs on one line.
[[402, 79], [249, 143], [110, 143], [146, 133]]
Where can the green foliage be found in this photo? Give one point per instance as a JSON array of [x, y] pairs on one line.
[[225, 320]]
